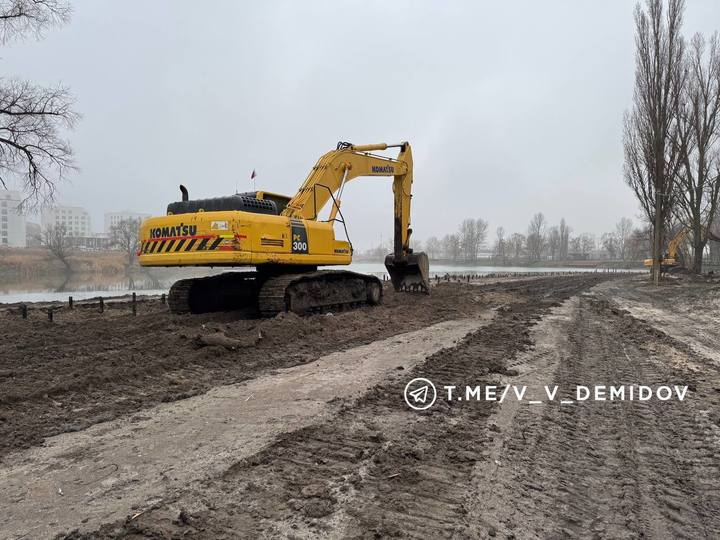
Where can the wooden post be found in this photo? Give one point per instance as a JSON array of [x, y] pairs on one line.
[[24, 311], [70, 302], [102, 305], [50, 314], [134, 304], [162, 298]]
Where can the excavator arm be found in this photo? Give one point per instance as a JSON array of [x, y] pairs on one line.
[[676, 242], [327, 180]]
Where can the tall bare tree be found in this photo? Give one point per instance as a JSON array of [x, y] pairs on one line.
[[433, 247], [516, 246], [58, 242], [651, 159], [472, 236], [623, 233], [564, 231], [535, 241], [587, 243], [639, 244], [609, 242], [500, 249], [553, 242], [125, 235], [698, 139], [451, 247], [33, 118]]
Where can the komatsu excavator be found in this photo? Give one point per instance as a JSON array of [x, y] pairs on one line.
[[285, 240]]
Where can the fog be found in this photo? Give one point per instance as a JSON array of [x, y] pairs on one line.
[[511, 108]]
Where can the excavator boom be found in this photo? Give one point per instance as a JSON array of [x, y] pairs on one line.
[[408, 271]]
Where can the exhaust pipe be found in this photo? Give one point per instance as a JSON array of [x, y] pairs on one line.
[[184, 192], [410, 274]]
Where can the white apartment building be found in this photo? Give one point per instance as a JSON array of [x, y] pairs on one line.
[[113, 218], [12, 221], [75, 219]]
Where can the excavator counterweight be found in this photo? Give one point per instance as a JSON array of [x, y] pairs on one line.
[[286, 240]]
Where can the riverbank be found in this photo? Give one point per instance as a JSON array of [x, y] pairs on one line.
[[523, 263], [36, 263], [41, 279]]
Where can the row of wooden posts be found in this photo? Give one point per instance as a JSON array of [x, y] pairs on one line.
[[71, 305], [468, 277]]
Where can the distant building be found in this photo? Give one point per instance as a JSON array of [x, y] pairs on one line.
[[113, 218], [91, 242], [75, 219], [12, 220]]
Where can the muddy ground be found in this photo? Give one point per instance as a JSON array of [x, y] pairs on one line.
[[86, 367], [365, 465]]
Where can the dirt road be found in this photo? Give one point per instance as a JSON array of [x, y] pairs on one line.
[[361, 464]]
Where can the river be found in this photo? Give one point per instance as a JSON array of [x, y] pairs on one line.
[[83, 286]]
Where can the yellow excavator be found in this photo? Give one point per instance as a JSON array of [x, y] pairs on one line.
[[671, 262], [285, 239]]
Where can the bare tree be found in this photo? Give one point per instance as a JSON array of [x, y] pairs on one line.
[[466, 234], [56, 239], [576, 244], [125, 236], [33, 118], [536, 237], [609, 242], [623, 233], [564, 231], [651, 159], [501, 246], [433, 247], [481, 227], [19, 18], [516, 246], [472, 236], [587, 243], [639, 244], [553, 242], [451, 247], [698, 135]]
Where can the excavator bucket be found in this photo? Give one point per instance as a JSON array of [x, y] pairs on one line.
[[411, 274]]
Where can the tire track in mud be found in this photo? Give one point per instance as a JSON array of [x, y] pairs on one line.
[[377, 469], [613, 469], [86, 368]]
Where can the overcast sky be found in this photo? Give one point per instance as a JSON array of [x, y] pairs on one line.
[[511, 107]]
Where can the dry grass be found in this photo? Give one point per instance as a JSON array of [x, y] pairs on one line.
[[35, 262]]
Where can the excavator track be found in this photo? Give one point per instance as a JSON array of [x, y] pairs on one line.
[[319, 291], [224, 292], [302, 293]]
